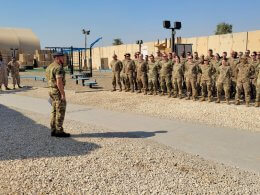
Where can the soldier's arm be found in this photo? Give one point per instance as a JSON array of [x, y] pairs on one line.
[[59, 82]]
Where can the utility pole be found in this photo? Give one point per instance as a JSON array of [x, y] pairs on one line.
[[177, 26], [139, 42], [85, 32]]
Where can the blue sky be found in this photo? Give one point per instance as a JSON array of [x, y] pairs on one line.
[[59, 22]]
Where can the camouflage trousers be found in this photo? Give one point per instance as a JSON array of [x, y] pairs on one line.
[[58, 112], [153, 84], [3, 77], [191, 84], [206, 87], [16, 78], [177, 86], [258, 91], [226, 87], [142, 82], [243, 86], [116, 79], [165, 83], [129, 81]]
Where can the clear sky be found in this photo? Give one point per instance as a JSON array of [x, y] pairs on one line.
[[59, 22]]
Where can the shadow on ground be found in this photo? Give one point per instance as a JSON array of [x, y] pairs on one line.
[[23, 138], [17, 90], [132, 134]]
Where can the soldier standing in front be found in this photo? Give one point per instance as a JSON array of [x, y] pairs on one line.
[[56, 81]]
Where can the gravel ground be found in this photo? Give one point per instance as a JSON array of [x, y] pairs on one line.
[[95, 161], [239, 117]]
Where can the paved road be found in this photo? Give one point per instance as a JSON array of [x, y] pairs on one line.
[[230, 146]]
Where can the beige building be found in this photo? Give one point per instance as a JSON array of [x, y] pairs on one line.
[[18, 38], [219, 43]]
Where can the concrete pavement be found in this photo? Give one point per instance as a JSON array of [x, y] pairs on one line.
[[230, 146]]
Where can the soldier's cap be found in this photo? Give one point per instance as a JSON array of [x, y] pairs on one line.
[[137, 53], [114, 55], [127, 54], [151, 56], [57, 54]]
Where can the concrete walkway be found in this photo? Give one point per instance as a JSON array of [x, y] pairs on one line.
[[230, 146]]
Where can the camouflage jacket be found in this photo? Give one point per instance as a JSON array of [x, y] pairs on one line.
[[153, 69], [178, 71], [224, 74], [141, 68], [53, 72], [244, 72], [206, 72], [165, 68], [116, 65]]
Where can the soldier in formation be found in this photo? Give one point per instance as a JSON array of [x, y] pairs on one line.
[[3, 74], [208, 76], [13, 67]]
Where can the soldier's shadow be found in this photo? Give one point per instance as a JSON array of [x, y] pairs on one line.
[[23, 138]]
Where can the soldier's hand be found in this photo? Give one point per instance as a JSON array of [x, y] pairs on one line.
[[63, 98]]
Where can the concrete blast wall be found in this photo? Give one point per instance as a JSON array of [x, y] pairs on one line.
[[219, 43]]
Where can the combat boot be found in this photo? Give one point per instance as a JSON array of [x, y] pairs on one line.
[[174, 96], [210, 99], [113, 90], [120, 90], [162, 94], [257, 104], [145, 92], [247, 104], [7, 88], [187, 98], [237, 102], [150, 93], [227, 101], [169, 95], [139, 91], [19, 86], [60, 134], [194, 99], [155, 93], [202, 99], [218, 101], [180, 96]]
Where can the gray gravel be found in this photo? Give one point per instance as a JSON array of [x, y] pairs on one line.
[[97, 162]]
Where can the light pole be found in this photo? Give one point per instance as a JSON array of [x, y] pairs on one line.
[[85, 32], [139, 42], [177, 26]]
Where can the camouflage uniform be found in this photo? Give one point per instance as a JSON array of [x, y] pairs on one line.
[[244, 72], [53, 72], [257, 100], [224, 81], [255, 64], [123, 74], [116, 66], [153, 76], [165, 76], [233, 64], [142, 79], [216, 64], [129, 66], [177, 79], [14, 69], [3, 75], [191, 72], [206, 74], [135, 74]]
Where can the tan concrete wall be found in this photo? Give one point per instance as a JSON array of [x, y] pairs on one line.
[[219, 43]]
